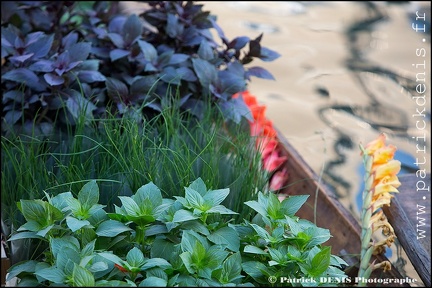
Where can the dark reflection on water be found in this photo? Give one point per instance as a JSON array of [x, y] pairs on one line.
[[380, 117]]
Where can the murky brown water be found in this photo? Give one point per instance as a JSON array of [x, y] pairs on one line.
[[348, 71]]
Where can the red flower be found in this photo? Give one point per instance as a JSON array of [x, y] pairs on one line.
[[266, 140]]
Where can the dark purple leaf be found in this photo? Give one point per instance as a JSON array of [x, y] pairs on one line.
[[260, 73], [186, 74], [102, 52], [184, 99], [195, 107], [42, 66], [88, 76], [205, 71], [205, 51], [231, 83], [79, 51], [238, 42], [118, 53], [92, 64], [268, 55], [77, 105], [178, 58], [33, 37], [21, 58], [142, 85], [164, 59], [24, 76], [149, 67], [116, 89], [132, 29], [69, 39], [254, 48], [41, 47], [72, 65], [148, 50], [173, 26], [116, 24], [12, 116], [8, 35], [14, 95], [170, 76], [234, 109], [117, 39], [53, 79]]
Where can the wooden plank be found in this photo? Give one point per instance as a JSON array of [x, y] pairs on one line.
[[409, 214], [330, 214]]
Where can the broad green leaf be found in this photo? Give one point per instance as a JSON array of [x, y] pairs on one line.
[[221, 210], [318, 236], [31, 225], [25, 235], [199, 186], [294, 226], [187, 261], [231, 268], [75, 224], [89, 195], [337, 261], [60, 200], [111, 228], [65, 255], [148, 191], [162, 248], [194, 199], [255, 269], [26, 266], [111, 257], [130, 206], [88, 248], [135, 257], [82, 277], [215, 197], [226, 236], [45, 230], [195, 226], [254, 250], [320, 262], [52, 274], [258, 207], [292, 204], [33, 210], [153, 282], [155, 230], [74, 205], [274, 207], [58, 244], [98, 267], [156, 262], [261, 231], [183, 215]]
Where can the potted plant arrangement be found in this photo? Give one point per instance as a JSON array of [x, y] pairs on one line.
[[134, 155]]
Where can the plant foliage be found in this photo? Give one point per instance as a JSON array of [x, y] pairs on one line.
[[183, 241]]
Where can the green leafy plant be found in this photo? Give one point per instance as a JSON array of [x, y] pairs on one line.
[[183, 241]]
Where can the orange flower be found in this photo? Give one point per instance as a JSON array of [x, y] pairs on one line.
[[278, 180]]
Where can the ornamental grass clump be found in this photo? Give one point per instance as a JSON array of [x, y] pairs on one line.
[[380, 181]]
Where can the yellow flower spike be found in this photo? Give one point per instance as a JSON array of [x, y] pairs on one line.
[[387, 169], [380, 181], [371, 147]]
